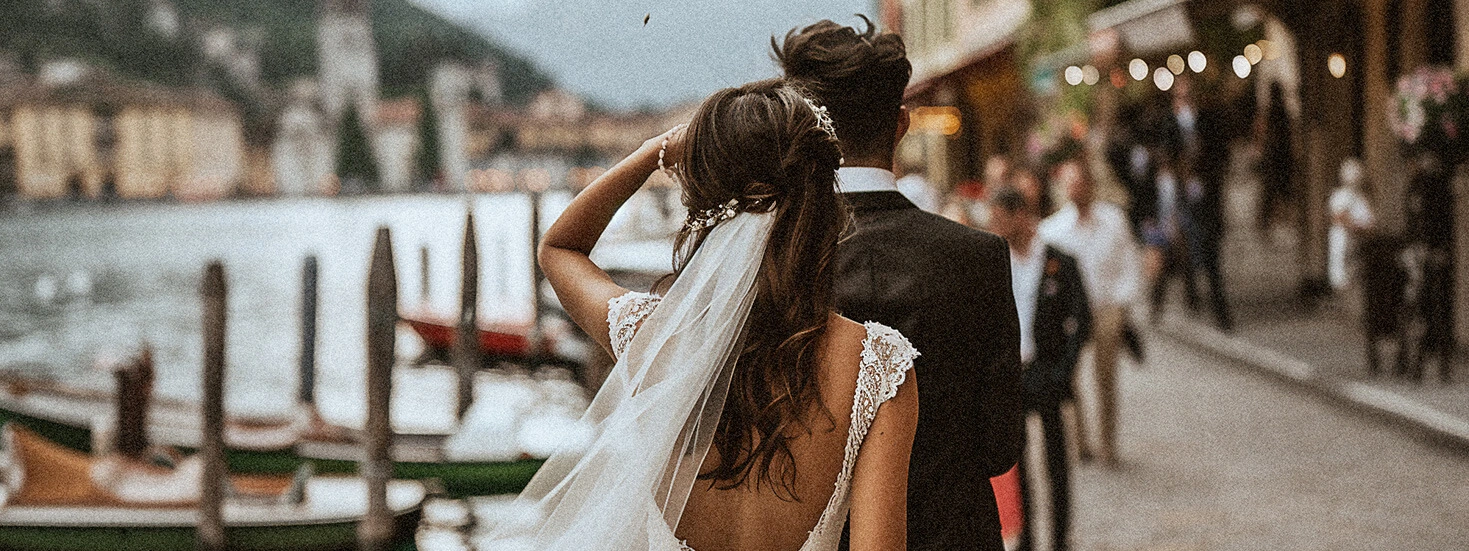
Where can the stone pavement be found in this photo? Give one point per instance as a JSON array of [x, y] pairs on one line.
[[1321, 348], [1216, 457]]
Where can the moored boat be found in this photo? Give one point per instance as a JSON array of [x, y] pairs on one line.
[[59, 505], [66, 417]]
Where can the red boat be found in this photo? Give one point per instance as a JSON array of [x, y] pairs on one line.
[[498, 340]]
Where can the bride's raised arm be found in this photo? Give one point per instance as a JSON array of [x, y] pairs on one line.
[[583, 288]]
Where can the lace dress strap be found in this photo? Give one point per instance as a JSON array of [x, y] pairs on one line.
[[886, 358], [625, 314]]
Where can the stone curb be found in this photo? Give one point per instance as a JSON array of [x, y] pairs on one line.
[[1392, 406]]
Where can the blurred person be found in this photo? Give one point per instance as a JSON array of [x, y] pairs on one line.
[[913, 184], [909, 269], [1096, 234], [1055, 322], [810, 394], [997, 172], [1167, 253], [1351, 215], [1277, 161], [1204, 204], [1037, 197]]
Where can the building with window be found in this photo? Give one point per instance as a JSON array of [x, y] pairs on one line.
[[83, 133], [967, 95]]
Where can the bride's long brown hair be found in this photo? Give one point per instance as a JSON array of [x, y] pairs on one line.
[[762, 144]]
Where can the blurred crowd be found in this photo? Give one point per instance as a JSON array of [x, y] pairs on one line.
[[1103, 223]]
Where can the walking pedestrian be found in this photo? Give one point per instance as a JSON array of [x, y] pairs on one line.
[[1167, 250], [1351, 215], [1096, 234], [1055, 322]]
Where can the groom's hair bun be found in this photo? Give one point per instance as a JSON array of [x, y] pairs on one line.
[[859, 75]]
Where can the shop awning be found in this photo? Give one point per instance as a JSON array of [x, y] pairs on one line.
[[980, 36], [1146, 26]]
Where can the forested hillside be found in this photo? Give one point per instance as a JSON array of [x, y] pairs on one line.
[[116, 33]]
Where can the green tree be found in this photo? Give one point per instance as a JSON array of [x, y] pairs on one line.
[[429, 164], [356, 165]]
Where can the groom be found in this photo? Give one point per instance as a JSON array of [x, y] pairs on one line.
[[945, 286]]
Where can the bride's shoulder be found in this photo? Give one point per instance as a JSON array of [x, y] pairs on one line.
[[880, 346]]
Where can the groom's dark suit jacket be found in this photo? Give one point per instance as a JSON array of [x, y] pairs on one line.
[[947, 288]]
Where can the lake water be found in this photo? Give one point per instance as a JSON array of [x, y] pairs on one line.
[[83, 281]]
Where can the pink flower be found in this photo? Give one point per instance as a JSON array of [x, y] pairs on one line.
[[1451, 130]]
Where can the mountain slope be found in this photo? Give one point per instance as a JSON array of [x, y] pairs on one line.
[[410, 40]]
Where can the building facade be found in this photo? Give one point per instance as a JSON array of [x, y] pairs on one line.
[[97, 136]]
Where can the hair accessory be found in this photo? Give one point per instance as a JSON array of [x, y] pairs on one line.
[[824, 122], [708, 218], [823, 119]]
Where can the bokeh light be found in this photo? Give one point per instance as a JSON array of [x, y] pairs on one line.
[[1197, 61], [1241, 66], [1138, 69], [1176, 64], [1272, 50], [1163, 78], [1254, 54], [1090, 75], [1073, 75], [1337, 64]]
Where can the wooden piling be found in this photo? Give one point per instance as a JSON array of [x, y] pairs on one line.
[[466, 351], [423, 276], [134, 394], [306, 390], [212, 489], [535, 277], [376, 531]]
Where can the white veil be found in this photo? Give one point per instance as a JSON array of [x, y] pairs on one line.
[[654, 419]]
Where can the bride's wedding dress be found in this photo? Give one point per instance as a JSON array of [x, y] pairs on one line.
[[653, 421], [886, 358]]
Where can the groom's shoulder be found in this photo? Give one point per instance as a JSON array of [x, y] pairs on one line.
[[929, 231]]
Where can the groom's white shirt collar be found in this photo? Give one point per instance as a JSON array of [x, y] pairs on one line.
[[857, 179]]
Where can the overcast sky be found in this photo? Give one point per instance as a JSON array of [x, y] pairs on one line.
[[690, 48]]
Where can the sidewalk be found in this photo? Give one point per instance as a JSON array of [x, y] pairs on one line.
[[1321, 349]]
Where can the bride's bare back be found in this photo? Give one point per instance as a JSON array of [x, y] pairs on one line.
[[750, 518]]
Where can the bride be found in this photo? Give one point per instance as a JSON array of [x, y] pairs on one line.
[[742, 412]]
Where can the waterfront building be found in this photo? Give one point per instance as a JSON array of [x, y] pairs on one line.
[[967, 97], [81, 132], [346, 56]]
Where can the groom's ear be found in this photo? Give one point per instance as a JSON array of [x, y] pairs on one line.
[[903, 121]]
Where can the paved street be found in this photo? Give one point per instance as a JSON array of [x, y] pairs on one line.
[[1214, 457]]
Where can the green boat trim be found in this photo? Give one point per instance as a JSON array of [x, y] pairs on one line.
[[417, 456], [252, 527]]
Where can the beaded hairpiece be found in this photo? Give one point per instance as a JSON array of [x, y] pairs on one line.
[[708, 218], [823, 119]]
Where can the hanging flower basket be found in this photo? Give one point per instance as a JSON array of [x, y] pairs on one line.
[[1430, 113]]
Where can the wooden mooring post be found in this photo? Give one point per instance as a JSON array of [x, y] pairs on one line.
[[306, 390], [535, 278], [212, 487], [423, 276], [376, 531], [466, 352], [134, 396]]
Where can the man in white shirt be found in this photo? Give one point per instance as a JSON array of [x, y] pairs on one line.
[[1096, 233], [1055, 321]]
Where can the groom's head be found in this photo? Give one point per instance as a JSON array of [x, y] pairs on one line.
[[860, 76]]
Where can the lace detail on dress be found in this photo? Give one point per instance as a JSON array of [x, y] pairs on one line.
[[886, 358], [624, 314]]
